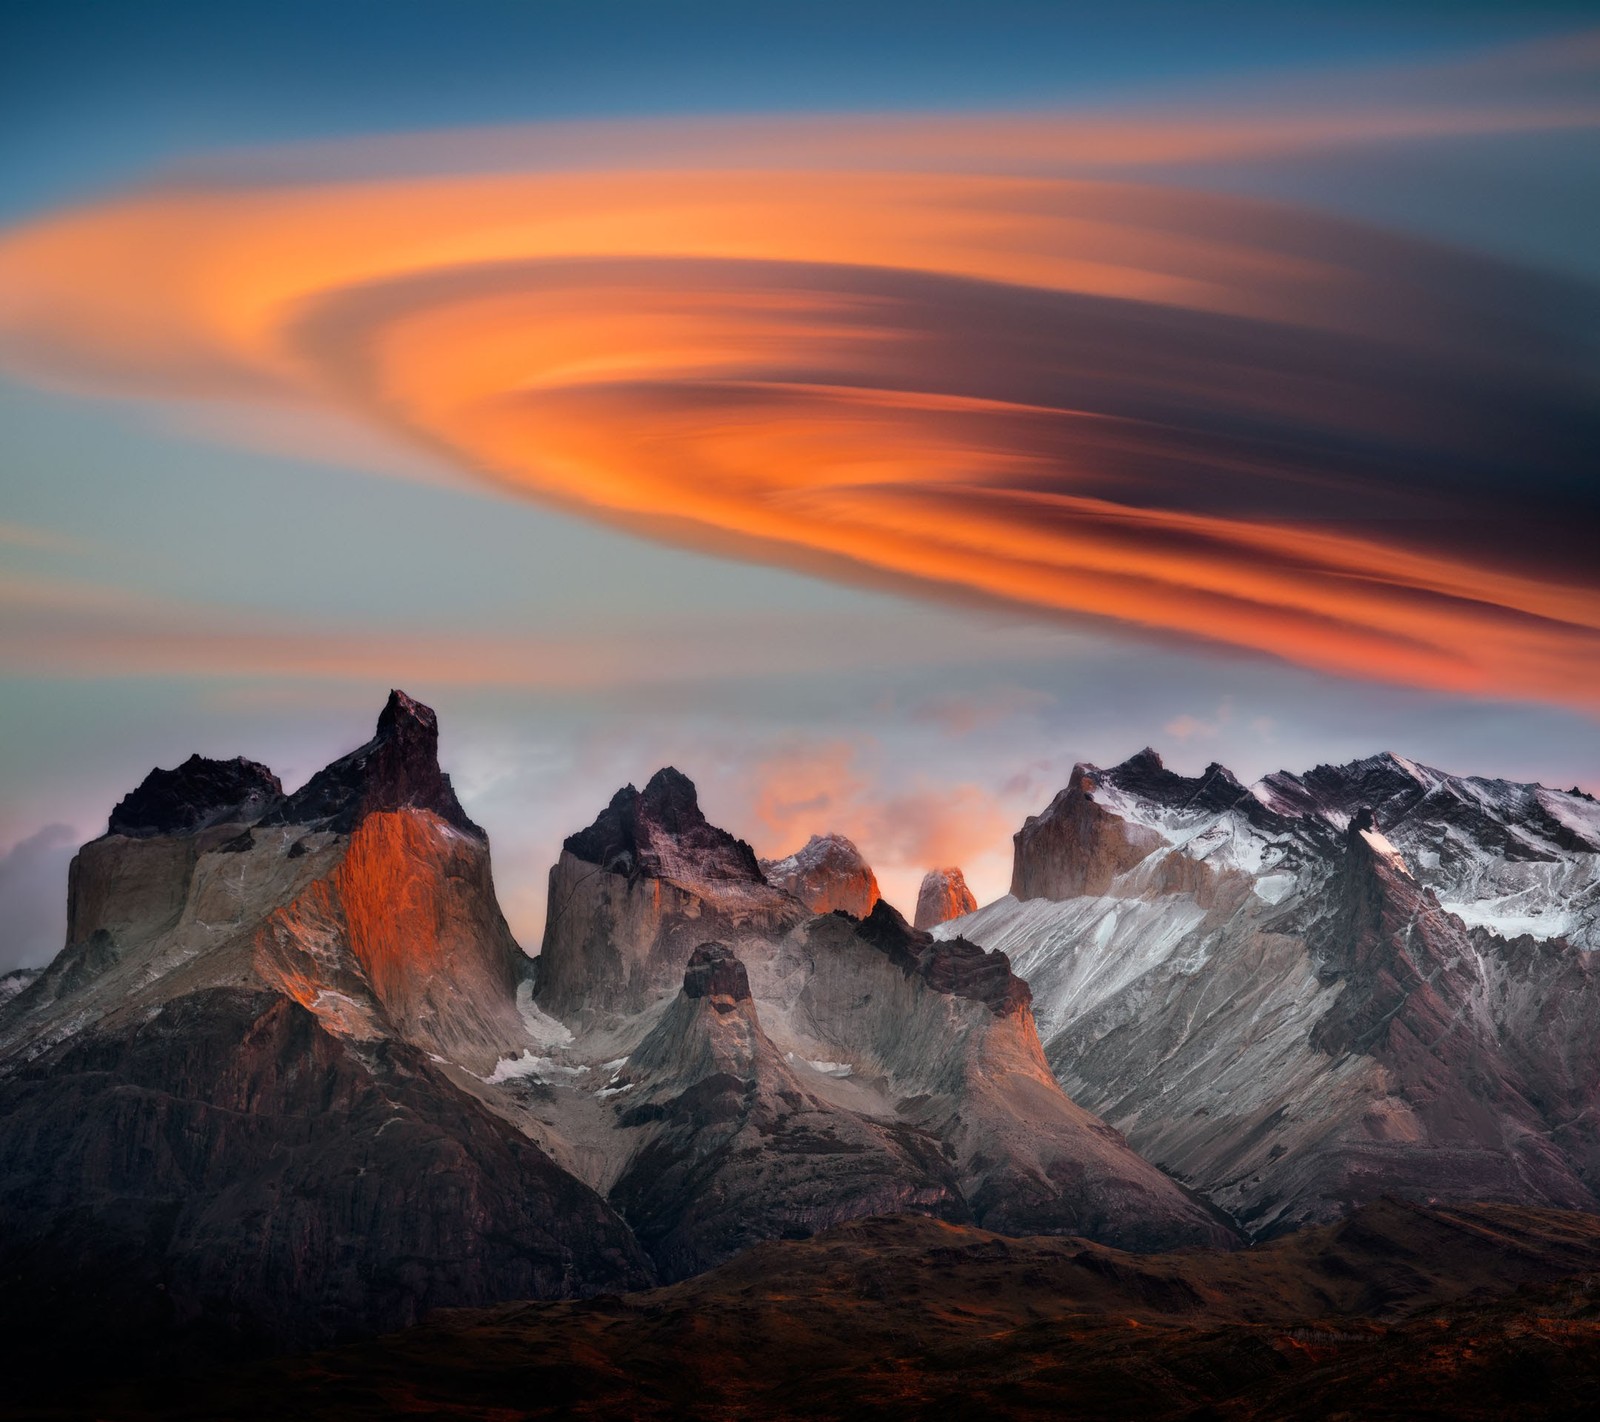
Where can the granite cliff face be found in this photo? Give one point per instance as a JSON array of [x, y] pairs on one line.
[[1287, 994], [828, 873], [245, 1096], [944, 895], [366, 896], [913, 1061], [635, 893]]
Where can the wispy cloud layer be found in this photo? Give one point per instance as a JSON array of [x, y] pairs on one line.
[[929, 352]]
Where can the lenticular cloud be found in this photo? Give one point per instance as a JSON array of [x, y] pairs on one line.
[[1178, 411]]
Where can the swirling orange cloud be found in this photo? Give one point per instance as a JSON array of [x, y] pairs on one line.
[[1188, 413]]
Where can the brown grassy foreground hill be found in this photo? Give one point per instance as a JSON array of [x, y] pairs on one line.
[[1401, 1311]]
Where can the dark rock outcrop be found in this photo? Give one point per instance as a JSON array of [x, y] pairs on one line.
[[735, 1149], [197, 794], [1146, 775], [398, 769], [715, 971], [662, 829], [950, 965]]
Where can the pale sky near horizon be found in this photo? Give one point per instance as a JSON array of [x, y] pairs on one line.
[[202, 548]]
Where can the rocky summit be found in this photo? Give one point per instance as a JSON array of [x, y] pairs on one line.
[[943, 895], [634, 894], [195, 795], [827, 873]]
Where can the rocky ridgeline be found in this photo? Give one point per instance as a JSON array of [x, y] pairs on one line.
[[1312, 991], [291, 1078]]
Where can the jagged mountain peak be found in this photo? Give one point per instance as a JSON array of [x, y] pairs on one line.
[[825, 874], [401, 711], [661, 832], [1145, 774], [942, 896], [1147, 759], [397, 769], [636, 892], [195, 795], [1392, 762], [670, 800]]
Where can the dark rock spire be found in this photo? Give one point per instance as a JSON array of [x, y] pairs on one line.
[[397, 769]]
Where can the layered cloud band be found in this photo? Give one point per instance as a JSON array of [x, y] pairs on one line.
[[1194, 414]]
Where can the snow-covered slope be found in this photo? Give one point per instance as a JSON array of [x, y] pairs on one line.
[[1513, 858], [1191, 943]]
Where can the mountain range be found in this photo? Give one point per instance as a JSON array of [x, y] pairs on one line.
[[291, 1081], [1300, 995]]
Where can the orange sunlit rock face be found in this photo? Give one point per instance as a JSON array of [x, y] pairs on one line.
[[424, 925], [403, 926], [1192, 414]]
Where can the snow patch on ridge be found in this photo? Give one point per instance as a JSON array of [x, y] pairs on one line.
[[833, 1069], [544, 1029], [1221, 839], [542, 1069], [1380, 845], [1079, 953]]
